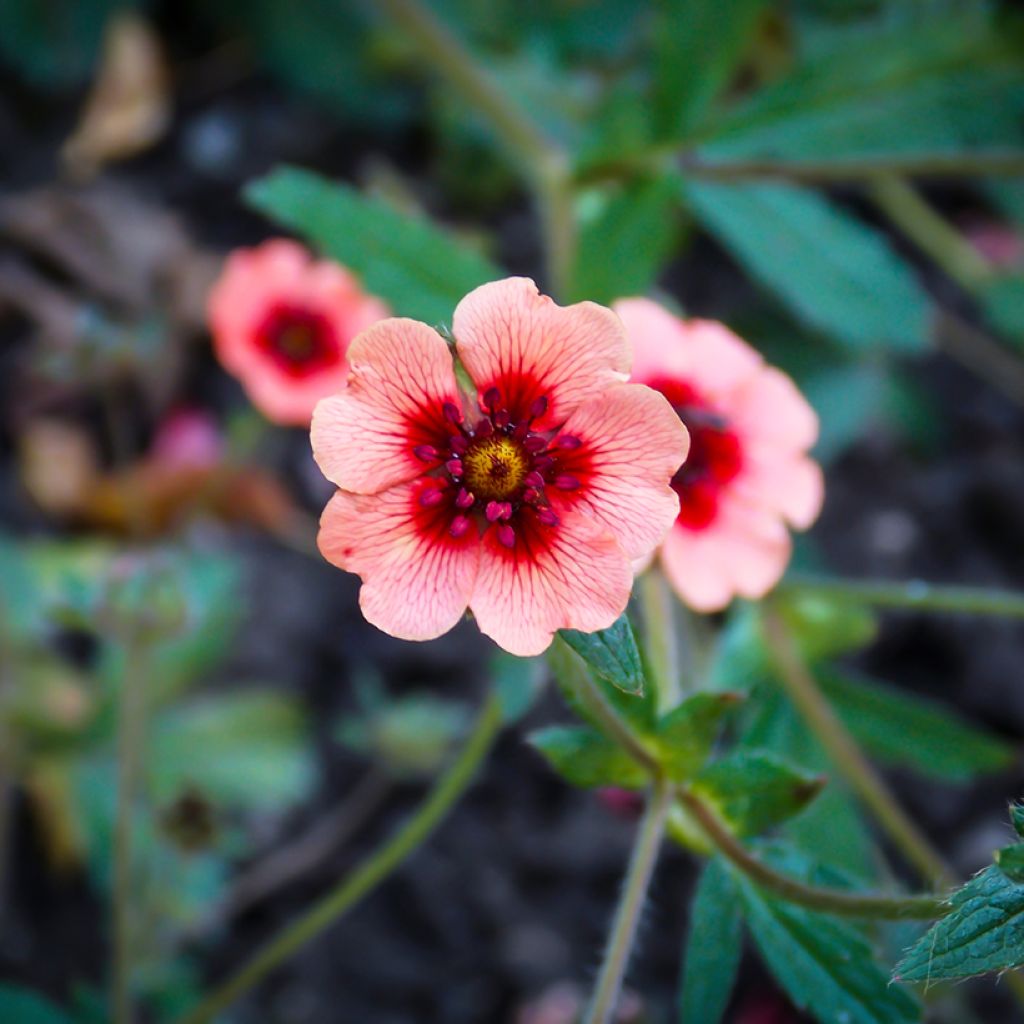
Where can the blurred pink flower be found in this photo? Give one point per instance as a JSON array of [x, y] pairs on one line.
[[623, 803], [526, 501], [188, 437], [282, 323], [748, 475]]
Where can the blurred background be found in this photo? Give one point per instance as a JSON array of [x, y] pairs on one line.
[[840, 181]]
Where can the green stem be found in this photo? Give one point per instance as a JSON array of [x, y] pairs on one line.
[[915, 595], [993, 163], [542, 160], [846, 755], [131, 733], [627, 916], [445, 793], [662, 646], [930, 232], [831, 901]]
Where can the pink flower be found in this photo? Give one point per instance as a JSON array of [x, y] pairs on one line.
[[747, 475], [282, 324], [525, 501]]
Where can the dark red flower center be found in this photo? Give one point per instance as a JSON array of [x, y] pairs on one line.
[[715, 458], [497, 473], [300, 340]]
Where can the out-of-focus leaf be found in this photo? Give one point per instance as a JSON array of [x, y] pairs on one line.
[[419, 269], [713, 947], [934, 87], [824, 965], [755, 790], [585, 757], [1003, 302], [243, 749], [518, 682], [687, 733], [611, 653], [697, 46], [904, 729], [55, 44], [1017, 818], [835, 272], [625, 242], [983, 932], [22, 1006], [1010, 860]]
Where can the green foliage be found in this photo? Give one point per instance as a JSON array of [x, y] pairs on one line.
[[22, 1006], [421, 271], [755, 790], [911, 731], [826, 966], [713, 948], [625, 239], [585, 757], [983, 932], [686, 734], [518, 682], [612, 654], [831, 270], [697, 45]]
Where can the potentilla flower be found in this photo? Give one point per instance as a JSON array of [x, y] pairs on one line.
[[282, 323], [526, 500], [747, 475]]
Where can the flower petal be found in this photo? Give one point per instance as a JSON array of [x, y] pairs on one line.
[[702, 353], [417, 579], [787, 483], [573, 575], [770, 409], [400, 376], [691, 563], [632, 444], [511, 337]]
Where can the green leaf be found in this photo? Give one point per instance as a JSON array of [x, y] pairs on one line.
[[983, 932], [626, 240], [907, 730], [686, 734], [1010, 860], [825, 966], [518, 682], [419, 269], [610, 653], [585, 757], [833, 271], [246, 750], [1003, 302], [698, 44], [936, 87], [713, 948], [755, 790], [22, 1006], [1017, 818]]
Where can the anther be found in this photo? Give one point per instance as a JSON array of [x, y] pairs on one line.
[[566, 482], [491, 398], [464, 499], [431, 496], [533, 479], [426, 452], [458, 444], [531, 494], [506, 536], [535, 443], [452, 413], [547, 517], [484, 428], [502, 419], [543, 462], [498, 510], [454, 466], [539, 407], [460, 524], [568, 441]]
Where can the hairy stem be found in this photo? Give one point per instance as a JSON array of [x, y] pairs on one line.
[[662, 643], [131, 735], [914, 595], [627, 916], [832, 901], [327, 911], [846, 755]]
